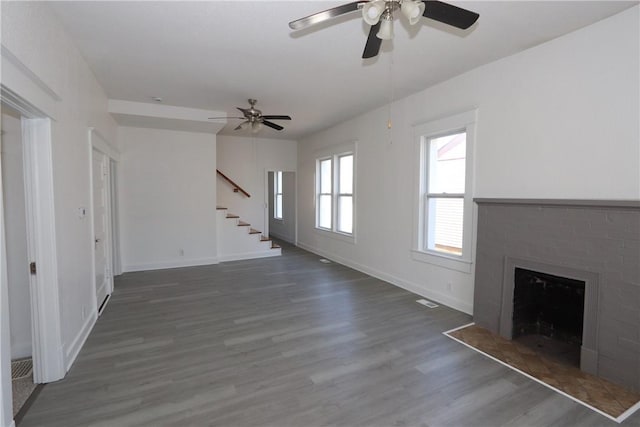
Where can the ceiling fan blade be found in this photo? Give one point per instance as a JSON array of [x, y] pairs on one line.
[[372, 47], [243, 110], [325, 15], [272, 125], [277, 117], [449, 14]]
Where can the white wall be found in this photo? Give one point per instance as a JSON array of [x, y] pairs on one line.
[[284, 229], [33, 36], [560, 120], [50, 61], [167, 198], [16, 237], [247, 161]]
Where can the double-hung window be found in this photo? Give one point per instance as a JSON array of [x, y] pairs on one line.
[[445, 205], [335, 192], [444, 192], [277, 195], [325, 194], [344, 192]]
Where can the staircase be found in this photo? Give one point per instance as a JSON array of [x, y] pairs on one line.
[[238, 240]]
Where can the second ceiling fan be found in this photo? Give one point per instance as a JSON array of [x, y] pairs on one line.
[[254, 119], [379, 14]]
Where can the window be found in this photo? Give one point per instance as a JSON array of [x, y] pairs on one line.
[[325, 193], [444, 195], [345, 193], [445, 204], [335, 193], [277, 195]]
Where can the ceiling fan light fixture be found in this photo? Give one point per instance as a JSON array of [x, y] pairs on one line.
[[372, 11], [256, 126], [412, 10], [245, 125], [386, 28]]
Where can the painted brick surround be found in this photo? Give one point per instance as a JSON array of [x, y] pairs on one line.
[[598, 239]]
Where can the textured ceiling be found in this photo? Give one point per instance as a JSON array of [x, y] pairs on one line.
[[214, 55]]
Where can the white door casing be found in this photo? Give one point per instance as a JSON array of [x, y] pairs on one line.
[[100, 212]]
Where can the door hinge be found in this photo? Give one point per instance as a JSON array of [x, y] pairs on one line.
[[32, 268]]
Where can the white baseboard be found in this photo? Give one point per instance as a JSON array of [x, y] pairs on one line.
[[401, 283], [249, 255], [169, 264], [21, 350], [74, 348]]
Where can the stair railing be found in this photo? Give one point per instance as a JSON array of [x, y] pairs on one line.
[[236, 187]]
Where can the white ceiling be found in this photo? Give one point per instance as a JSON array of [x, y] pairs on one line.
[[214, 55]]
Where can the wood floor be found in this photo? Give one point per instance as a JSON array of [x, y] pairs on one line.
[[287, 341]]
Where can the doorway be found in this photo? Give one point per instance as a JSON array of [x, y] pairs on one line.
[[103, 163], [281, 205], [43, 308], [17, 257]]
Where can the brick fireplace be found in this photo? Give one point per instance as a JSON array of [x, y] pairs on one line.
[[596, 243]]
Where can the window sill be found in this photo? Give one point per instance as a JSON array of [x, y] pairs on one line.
[[348, 238], [280, 220], [443, 260]]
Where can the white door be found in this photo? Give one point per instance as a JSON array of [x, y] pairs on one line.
[[100, 212]]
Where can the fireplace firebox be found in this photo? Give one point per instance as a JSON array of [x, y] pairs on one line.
[[548, 314]]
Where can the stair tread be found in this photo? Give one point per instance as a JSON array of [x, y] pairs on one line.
[[264, 239], [232, 216], [254, 231], [243, 224], [220, 208], [275, 245]]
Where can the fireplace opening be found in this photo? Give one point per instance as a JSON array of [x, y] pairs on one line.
[[548, 313]]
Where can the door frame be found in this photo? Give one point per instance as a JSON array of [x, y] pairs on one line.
[[98, 143], [48, 356]]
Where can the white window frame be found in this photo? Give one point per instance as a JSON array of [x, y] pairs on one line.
[[277, 179], [424, 133], [334, 153]]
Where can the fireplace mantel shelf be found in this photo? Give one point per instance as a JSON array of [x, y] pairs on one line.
[[624, 204]]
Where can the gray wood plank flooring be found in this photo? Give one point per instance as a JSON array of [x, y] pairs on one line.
[[287, 341]]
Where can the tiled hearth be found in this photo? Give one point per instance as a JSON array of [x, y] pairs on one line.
[[598, 393], [597, 242]]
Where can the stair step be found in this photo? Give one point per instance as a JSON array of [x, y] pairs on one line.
[[264, 239], [232, 216], [243, 224], [275, 245], [220, 208], [254, 231]]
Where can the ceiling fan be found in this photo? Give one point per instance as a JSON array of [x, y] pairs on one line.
[[254, 119], [379, 14]]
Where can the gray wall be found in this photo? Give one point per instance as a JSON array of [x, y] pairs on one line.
[[598, 237]]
